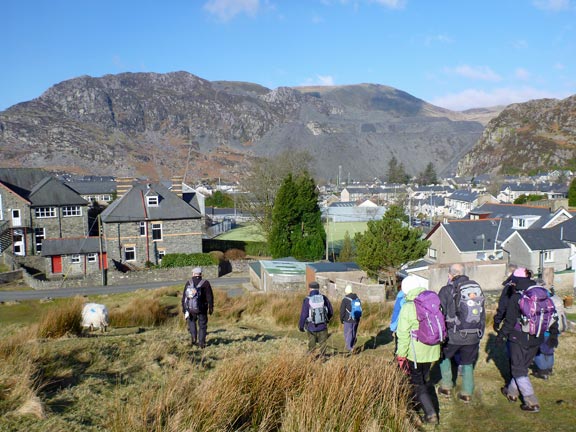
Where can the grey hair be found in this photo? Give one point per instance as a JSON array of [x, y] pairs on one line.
[[456, 269]]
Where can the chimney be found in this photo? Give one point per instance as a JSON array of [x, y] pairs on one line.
[[177, 185], [123, 185]]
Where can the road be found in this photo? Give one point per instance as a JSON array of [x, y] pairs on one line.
[[232, 284]]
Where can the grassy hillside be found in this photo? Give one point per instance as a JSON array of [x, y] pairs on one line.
[[254, 375]]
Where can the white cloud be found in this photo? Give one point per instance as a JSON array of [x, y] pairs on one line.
[[483, 73], [522, 74], [319, 80], [391, 4], [440, 38], [559, 66], [225, 10], [475, 98], [552, 5]]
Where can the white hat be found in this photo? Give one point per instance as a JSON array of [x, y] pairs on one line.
[[409, 283], [197, 270], [348, 289]]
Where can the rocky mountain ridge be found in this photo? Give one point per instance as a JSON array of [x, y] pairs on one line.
[[538, 135], [159, 125]]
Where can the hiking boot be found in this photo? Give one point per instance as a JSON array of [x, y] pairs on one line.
[[511, 398], [540, 374], [431, 419], [464, 398], [446, 392], [530, 408]]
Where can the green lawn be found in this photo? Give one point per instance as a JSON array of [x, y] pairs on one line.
[[244, 233]]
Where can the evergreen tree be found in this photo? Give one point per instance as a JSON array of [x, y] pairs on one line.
[[428, 176], [220, 199], [572, 193], [345, 254], [297, 228], [387, 244], [284, 219], [308, 241]]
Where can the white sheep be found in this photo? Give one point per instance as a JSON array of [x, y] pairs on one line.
[[95, 316]]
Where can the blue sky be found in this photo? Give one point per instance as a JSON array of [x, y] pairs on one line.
[[456, 54]]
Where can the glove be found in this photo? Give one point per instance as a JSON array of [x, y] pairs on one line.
[[496, 327], [500, 339], [186, 315], [552, 341], [403, 364]]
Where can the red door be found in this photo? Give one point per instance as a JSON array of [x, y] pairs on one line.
[[57, 264]]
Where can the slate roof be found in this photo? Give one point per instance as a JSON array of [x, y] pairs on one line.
[[71, 246], [39, 187], [509, 210], [86, 187], [566, 230], [542, 239], [467, 234], [463, 195], [132, 206], [321, 267]]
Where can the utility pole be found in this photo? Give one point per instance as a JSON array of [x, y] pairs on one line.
[[101, 255]]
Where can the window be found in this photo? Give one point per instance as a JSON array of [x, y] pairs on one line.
[[548, 256], [39, 235], [142, 229], [156, 231], [45, 212], [68, 211], [152, 201], [130, 253], [432, 253], [75, 259], [92, 257]]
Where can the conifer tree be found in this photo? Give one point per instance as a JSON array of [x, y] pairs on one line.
[[345, 254], [387, 244], [284, 219], [572, 193]]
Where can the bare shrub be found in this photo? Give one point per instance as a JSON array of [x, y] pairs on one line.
[[62, 319], [217, 255], [234, 254], [145, 312]]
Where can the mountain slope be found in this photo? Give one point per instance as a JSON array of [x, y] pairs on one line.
[[531, 136], [163, 124]]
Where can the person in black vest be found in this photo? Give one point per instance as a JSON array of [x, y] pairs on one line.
[[350, 324], [523, 346], [197, 304], [317, 331]]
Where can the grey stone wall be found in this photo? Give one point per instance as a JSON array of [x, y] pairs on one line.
[[178, 236]]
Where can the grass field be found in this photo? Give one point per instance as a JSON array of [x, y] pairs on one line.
[[253, 376], [244, 233]]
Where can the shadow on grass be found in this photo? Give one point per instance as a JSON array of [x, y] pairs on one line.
[[497, 352], [384, 337]]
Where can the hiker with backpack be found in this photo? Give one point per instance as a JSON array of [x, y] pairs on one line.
[[420, 332], [315, 315], [508, 287], [350, 314], [544, 360], [462, 303], [530, 313], [197, 304]]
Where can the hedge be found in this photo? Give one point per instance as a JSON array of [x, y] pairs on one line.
[[185, 260]]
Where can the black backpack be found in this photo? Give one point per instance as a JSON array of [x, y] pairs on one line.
[[192, 299]]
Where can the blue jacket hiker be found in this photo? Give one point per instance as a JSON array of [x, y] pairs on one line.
[[350, 323], [315, 315], [416, 354]]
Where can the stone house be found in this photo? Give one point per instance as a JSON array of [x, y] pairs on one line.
[[73, 256], [148, 222], [35, 206]]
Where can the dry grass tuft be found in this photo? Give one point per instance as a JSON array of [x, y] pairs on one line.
[[145, 312], [32, 406], [283, 392], [61, 320]]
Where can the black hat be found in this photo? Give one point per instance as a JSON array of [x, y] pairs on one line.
[[313, 285]]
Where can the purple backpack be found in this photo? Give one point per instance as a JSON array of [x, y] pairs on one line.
[[431, 324], [537, 310]]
